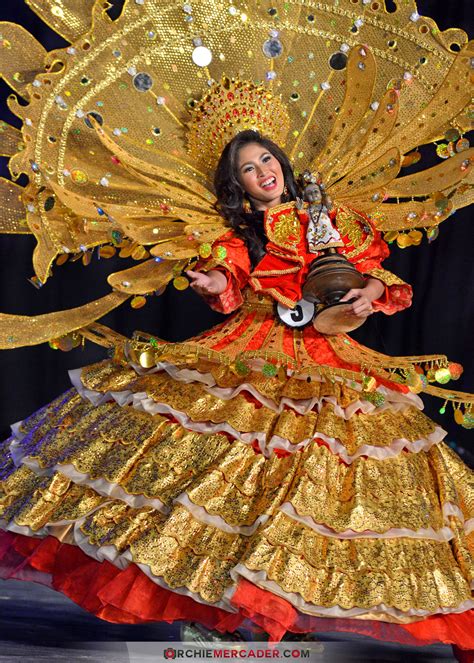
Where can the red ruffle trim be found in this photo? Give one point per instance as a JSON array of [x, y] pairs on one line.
[[129, 596], [120, 596], [277, 616]]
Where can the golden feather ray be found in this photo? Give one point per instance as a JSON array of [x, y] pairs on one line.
[[361, 144], [13, 218], [173, 175], [438, 178], [69, 18], [17, 331], [146, 277], [464, 193], [21, 57], [139, 79], [361, 66], [373, 176], [407, 216], [153, 230], [11, 140], [172, 192], [58, 231], [431, 121], [83, 205]]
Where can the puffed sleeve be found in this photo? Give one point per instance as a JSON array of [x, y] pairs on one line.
[[367, 255], [230, 255]]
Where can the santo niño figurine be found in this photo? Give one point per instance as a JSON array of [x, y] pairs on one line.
[[321, 234], [331, 275]]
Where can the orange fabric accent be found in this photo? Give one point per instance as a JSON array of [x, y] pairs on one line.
[[236, 333], [120, 596], [229, 300], [395, 297], [451, 629], [236, 266], [260, 335], [275, 274], [283, 269], [277, 616], [129, 596], [319, 349], [288, 342]]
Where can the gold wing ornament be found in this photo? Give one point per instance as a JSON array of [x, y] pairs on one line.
[[121, 131]]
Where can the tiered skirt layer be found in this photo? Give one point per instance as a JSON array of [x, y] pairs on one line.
[[187, 491]]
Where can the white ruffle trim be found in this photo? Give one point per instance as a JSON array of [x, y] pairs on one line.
[[394, 400], [260, 579], [443, 534], [450, 509], [393, 449], [23, 529], [111, 554], [101, 486], [203, 516], [141, 401], [115, 491]]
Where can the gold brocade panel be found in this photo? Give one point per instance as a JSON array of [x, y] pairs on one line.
[[50, 415], [246, 415], [109, 376], [34, 501], [153, 459], [401, 573], [455, 479], [223, 494], [369, 495]]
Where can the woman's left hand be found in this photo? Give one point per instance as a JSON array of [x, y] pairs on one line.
[[362, 306]]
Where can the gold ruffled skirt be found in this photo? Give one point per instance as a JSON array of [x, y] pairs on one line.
[[251, 453]]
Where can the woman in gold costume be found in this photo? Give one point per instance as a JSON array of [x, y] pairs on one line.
[[216, 489], [261, 471]]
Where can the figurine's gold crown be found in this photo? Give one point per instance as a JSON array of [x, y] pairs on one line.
[[229, 107]]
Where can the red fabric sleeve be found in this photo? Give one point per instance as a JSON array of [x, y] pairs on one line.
[[397, 294], [230, 256]]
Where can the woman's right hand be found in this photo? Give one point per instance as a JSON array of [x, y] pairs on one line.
[[209, 283]]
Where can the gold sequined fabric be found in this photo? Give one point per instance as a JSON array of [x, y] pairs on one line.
[[253, 450], [401, 573], [195, 507], [190, 75]]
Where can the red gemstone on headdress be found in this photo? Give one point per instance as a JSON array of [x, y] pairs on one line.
[[115, 159], [230, 96]]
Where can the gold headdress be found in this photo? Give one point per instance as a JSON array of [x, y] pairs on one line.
[[116, 164], [228, 108]]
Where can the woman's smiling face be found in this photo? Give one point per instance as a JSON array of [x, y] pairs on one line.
[[261, 176]]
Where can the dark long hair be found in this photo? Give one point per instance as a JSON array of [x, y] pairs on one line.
[[231, 195]]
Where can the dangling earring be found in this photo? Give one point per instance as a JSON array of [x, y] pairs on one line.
[[285, 191], [246, 206]]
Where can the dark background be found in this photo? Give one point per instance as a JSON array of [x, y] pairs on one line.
[[441, 319]]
